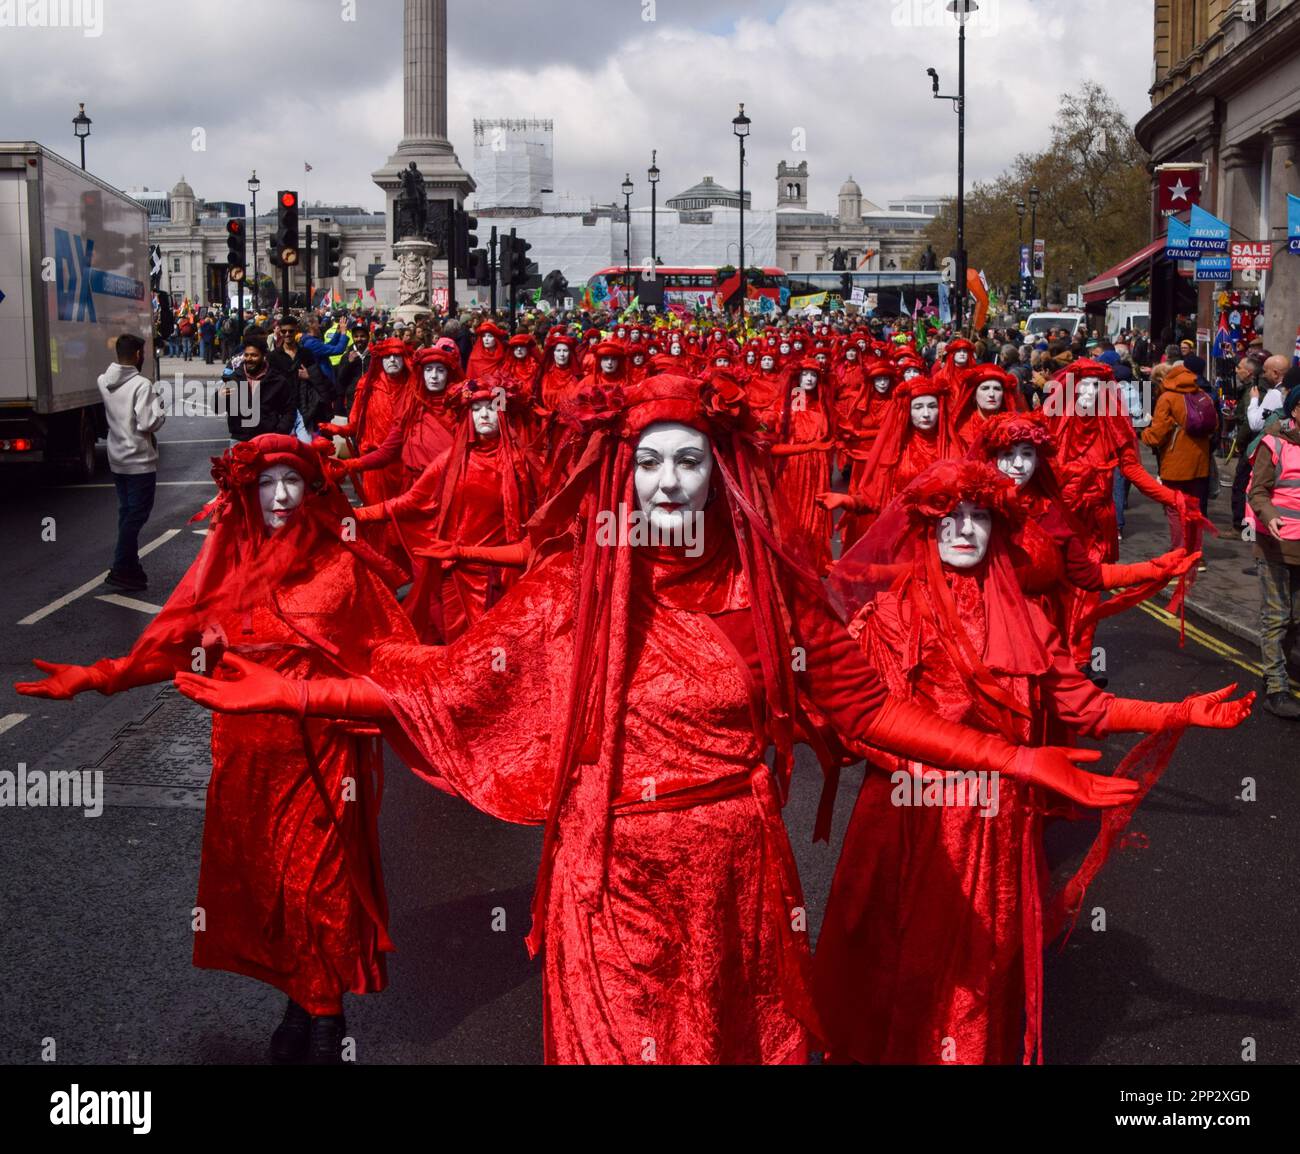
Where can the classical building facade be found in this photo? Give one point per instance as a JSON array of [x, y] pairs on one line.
[[1226, 95]]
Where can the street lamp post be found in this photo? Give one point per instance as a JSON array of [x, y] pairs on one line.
[[740, 126], [1033, 236], [627, 215], [1020, 240], [653, 177], [253, 186], [81, 127]]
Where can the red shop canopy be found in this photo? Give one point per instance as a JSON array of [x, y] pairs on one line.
[[1115, 280]]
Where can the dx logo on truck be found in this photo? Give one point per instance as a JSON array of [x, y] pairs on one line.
[[73, 258]]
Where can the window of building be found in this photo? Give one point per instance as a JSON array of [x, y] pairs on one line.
[[176, 264], [794, 260]]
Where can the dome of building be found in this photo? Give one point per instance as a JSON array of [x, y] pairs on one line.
[[850, 188], [181, 190]]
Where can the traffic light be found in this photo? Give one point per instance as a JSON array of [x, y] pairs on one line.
[[285, 242], [519, 265], [479, 269], [846, 287], [463, 238], [236, 249], [329, 257]]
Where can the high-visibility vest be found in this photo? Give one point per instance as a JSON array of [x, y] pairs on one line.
[[327, 336], [1286, 488]]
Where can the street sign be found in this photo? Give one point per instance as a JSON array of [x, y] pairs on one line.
[[1208, 232], [1180, 188], [1250, 254], [1214, 268], [1178, 241], [1293, 222]]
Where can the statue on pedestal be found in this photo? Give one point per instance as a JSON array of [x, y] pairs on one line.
[[411, 207]]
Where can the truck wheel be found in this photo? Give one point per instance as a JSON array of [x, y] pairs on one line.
[[85, 464]]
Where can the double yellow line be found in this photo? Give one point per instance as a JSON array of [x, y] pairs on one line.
[[1206, 641]]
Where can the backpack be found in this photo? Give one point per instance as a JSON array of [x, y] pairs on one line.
[[1202, 417]]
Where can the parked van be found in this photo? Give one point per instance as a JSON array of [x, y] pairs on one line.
[[1121, 315], [1040, 324]]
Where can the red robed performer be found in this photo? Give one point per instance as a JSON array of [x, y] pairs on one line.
[[290, 882], [931, 949], [489, 351], [383, 396], [470, 504], [985, 391], [805, 451], [624, 693]]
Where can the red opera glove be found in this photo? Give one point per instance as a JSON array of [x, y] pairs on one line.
[[511, 556], [833, 501], [338, 469], [256, 689], [1207, 710], [909, 731], [367, 514], [332, 430], [64, 681], [789, 450], [1167, 566]]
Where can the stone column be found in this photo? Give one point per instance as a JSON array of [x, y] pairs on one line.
[[424, 45], [1240, 165], [1282, 304]]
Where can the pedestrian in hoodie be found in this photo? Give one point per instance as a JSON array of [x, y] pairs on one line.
[[1184, 446], [135, 414]]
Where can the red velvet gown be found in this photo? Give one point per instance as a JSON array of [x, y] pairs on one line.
[[801, 477], [692, 949], [483, 363], [418, 440], [290, 881], [856, 440], [931, 948], [442, 604], [380, 403], [1089, 449]]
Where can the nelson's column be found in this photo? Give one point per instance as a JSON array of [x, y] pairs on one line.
[[424, 138]]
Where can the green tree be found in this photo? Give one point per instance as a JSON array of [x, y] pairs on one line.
[[1095, 199]]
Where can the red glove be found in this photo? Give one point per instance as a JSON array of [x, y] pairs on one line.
[[253, 688], [332, 430], [833, 501], [65, 681], [1207, 710], [368, 514], [1167, 566], [909, 731]]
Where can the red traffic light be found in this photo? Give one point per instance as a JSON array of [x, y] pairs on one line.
[[235, 227], [289, 199]]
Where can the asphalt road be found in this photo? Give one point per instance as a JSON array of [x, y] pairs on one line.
[[1201, 906]]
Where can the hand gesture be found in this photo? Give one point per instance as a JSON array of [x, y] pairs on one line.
[[1215, 711], [63, 684], [248, 688], [1055, 768], [833, 501]]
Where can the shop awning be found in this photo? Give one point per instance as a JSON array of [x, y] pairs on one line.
[[1115, 280]]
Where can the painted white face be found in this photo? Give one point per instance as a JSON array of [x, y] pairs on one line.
[[807, 380], [676, 349], [961, 358], [487, 419], [925, 413], [489, 341], [768, 363], [674, 466], [964, 536], [520, 352], [862, 346], [1085, 395], [1019, 462], [393, 366], [608, 365], [785, 348], [638, 359], [882, 385], [988, 396], [722, 362], [280, 489], [911, 373], [851, 355], [562, 355], [435, 378]]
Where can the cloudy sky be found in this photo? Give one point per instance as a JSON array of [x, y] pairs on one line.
[[213, 90]]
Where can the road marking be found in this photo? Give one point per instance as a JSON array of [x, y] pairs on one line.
[[131, 603], [91, 586], [11, 719], [1207, 641], [161, 484]]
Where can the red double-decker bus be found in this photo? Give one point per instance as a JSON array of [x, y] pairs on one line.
[[694, 286]]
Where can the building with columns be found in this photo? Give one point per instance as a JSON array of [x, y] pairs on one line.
[[1227, 95]]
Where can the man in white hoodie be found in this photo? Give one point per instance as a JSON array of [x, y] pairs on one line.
[[135, 414]]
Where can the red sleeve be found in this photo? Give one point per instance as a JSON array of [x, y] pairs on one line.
[[1131, 466], [1072, 698], [387, 453], [421, 499]]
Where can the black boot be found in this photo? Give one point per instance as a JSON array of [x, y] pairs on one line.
[[290, 1040], [326, 1045]]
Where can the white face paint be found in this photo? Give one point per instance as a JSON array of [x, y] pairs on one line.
[[562, 354], [911, 374], [280, 489], [521, 351], [882, 385], [638, 358], [435, 378], [851, 355], [393, 365], [676, 349], [1085, 395], [960, 358], [785, 348], [964, 536], [862, 346], [768, 363], [608, 365], [674, 465], [721, 362], [988, 396], [489, 341], [807, 380], [925, 413], [1019, 462], [487, 419]]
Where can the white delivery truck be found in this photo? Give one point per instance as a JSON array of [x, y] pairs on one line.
[[74, 276]]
